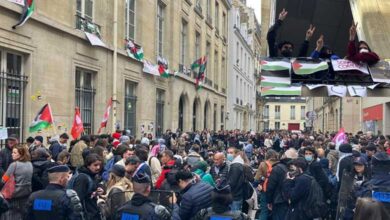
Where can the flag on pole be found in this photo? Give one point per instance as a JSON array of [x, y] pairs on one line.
[[200, 64], [103, 124], [340, 138], [28, 9], [43, 119], [77, 127]]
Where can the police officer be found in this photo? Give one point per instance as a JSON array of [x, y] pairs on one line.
[[140, 206], [221, 200], [55, 202]]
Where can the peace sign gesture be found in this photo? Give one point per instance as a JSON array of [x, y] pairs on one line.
[[352, 31], [310, 32], [283, 14]]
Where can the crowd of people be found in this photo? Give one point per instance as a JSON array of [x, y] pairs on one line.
[[197, 175]]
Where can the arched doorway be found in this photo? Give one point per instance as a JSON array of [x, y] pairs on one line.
[[182, 110], [206, 114], [195, 114]]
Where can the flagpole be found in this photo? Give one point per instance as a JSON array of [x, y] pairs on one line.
[[53, 123], [114, 65]]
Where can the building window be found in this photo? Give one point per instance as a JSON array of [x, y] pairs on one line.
[[303, 112], [130, 19], [160, 102], [215, 117], [12, 83], [238, 54], [183, 43], [222, 114], [277, 111], [208, 9], [224, 25], [160, 28], [85, 97], [277, 125], [84, 14], [266, 112], [209, 72], [266, 125], [197, 45], [292, 112], [216, 67], [216, 16], [130, 106], [223, 73]]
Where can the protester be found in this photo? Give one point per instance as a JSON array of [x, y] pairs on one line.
[[201, 169], [20, 171], [58, 146], [167, 161], [6, 153], [220, 167]]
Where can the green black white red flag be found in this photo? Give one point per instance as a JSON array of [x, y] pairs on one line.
[[43, 119], [200, 63], [28, 9]]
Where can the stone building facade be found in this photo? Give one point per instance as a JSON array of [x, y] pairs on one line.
[[50, 60]]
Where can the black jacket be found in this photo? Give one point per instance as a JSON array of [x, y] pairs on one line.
[[223, 171], [273, 47], [345, 164], [315, 170], [236, 180], [81, 186], [61, 205], [5, 159], [275, 182], [141, 206], [40, 178], [194, 197], [296, 191], [55, 149]]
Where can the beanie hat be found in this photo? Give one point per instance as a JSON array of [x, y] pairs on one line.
[[116, 136]]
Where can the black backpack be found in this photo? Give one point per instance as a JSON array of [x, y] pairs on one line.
[[314, 205], [247, 190]]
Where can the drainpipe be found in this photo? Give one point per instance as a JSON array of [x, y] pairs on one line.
[[114, 64]]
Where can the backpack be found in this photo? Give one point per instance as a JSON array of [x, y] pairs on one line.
[[72, 180], [269, 170], [247, 190], [314, 205]]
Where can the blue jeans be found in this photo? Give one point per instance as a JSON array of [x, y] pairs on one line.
[[263, 207], [236, 205]]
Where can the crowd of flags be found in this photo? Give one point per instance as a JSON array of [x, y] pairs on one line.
[[44, 120]]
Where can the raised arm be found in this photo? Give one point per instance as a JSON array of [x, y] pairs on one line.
[[272, 33]]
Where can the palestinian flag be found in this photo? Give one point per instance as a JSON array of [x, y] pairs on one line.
[[200, 64], [163, 67], [28, 9], [267, 81], [275, 73], [306, 67], [281, 91], [133, 51], [275, 65], [43, 119]]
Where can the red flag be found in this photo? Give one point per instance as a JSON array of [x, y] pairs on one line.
[[340, 138], [103, 124], [77, 127]]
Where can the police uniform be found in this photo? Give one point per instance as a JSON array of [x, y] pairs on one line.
[[54, 202], [141, 207]]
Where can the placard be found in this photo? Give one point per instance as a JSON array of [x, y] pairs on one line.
[[347, 65]]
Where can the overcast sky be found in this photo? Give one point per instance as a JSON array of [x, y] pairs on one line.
[[255, 4]]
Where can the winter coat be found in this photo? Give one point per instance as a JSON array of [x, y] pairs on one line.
[[236, 178], [354, 55], [275, 182], [222, 173], [76, 157], [5, 159], [296, 191], [155, 168], [55, 149], [81, 186], [333, 157], [315, 170], [39, 180], [194, 197], [117, 196]]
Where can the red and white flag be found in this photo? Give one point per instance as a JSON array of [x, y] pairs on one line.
[[103, 124], [77, 127], [340, 138]]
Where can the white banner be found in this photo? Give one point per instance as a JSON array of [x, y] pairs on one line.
[[347, 65], [340, 91], [359, 91], [314, 86], [94, 40], [151, 68], [19, 2]]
